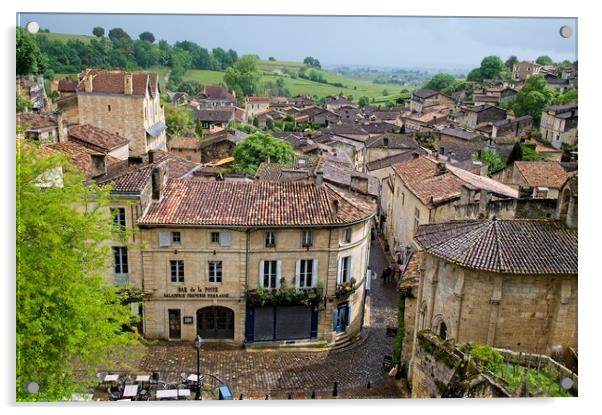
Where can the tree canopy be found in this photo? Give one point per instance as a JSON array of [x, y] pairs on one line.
[[534, 96], [30, 59], [313, 62], [493, 159], [257, 148], [511, 61], [179, 121], [243, 77], [98, 31], [544, 60], [147, 37], [440, 81], [118, 33], [492, 67], [68, 317]]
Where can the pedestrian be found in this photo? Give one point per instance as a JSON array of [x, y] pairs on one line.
[[383, 275], [388, 273]]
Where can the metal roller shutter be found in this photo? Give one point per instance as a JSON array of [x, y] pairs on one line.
[[293, 322]]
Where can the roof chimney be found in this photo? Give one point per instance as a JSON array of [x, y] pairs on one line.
[[319, 177], [441, 168], [334, 207], [98, 165], [128, 86], [88, 83], [151, 156]]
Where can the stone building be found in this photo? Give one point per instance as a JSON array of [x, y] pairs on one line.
[[210, 148], [559, 125], [124, 103], [255, 105], [424, 98], [254, 262], [482, 114], [424, 190], [510, 284], [542, 178], [46, 128]]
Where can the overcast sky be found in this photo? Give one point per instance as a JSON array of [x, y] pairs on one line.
[[427, 42]]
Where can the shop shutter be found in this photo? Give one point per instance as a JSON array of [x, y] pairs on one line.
[[264, 324], [293, 322]]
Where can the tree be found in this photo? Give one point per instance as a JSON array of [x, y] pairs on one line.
[[544, 60], [363, 101], [179, 121], [30, 60], [271, 58], [385, 92], [313, 62], [98, 31], [475, 75], [68, 317], [147, 37], [23, 104], [243, 77], [493, 159], [492, 67], [440, 81], [510, 62], [257, 148], [568, 97], [534, 96], [191, 87], [118, 33]]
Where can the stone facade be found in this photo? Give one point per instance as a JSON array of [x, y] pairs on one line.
[[241, 266]]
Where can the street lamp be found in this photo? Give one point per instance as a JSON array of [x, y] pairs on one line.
[[197, 344]]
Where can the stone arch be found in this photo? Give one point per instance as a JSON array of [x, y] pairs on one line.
[[215, 322], [440, 327]]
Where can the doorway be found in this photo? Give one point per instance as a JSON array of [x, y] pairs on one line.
[[215, 323], [175, 325]]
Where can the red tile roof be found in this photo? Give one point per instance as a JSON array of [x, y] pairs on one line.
[[36, 120], [113, 82], [193, 202], [506, 246], [65, 85], [81, 156], [542, 173], [216, 92], [103, 140]]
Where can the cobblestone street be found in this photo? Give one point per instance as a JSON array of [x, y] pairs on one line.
[[255, 373]]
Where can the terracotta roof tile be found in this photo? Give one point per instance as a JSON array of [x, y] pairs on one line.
[[542, 173], [37, 120], [193, 202], [506, 246], [103, 140], [113, 82], [81, 156]]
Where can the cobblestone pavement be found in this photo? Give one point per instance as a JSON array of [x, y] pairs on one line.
[[280, 372]]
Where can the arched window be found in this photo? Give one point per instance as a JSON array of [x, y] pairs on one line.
[[443, 330]]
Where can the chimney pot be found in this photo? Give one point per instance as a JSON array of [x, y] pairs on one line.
[[128, 84]]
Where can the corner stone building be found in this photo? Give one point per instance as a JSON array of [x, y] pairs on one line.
[[506, 283], [208, 246], [124, 103]]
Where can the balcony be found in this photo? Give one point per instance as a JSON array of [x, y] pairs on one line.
[[261, 296], [345, 289]]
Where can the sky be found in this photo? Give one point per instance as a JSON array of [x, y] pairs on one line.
[[401, 42]]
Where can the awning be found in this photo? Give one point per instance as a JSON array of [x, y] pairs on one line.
[[156, 129]]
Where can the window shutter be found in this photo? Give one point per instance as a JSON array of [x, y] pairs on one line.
[[314, 276], [164, 239], [340, 271], [348, 316], [278, 273], [298, 273], [335, 318], [224, 238], [350, 268], [261, 273]]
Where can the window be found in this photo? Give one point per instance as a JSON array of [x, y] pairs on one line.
[[109, 108], [344, 269], [175, 237], [269, 274], [215, 271], [416, 219], [443, 330], [346, 235], [307, 238], [215, 237], [120, 270], [189, 158], [270, 239], [306, 272], [177, 271], [119, 217]]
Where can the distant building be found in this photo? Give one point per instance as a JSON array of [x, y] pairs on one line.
[[256, 105], [423, 98], [559, 125], [216, 96], [46, 128]]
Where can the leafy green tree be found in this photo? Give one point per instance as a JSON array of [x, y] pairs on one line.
[[257, 148], [493, 159], [243, 77], [68, 317], [118, 33], [533, 98], [568, 97], [492, 67], [23, 104], [271, 58], [147, 37], [98, 31], [30, 60], [440, 81], [475, 75], [510, 62], [544, 60], [363, 101], [313, 62], [385, 92], [179, 121]]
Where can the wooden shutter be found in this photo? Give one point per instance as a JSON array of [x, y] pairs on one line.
[[314, 276], [225, 238], [350, 267], [164, 239], [340, 271], [261, 273], [278, 273], [298, 273]]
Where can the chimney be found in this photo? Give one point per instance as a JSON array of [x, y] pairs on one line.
[[359, 183], [484, 197], [88, 83], [415, 155], [151, 156], [156, 183], [319, 177], [334, 207], [441, 168], [98, 165], [60, 126], [128, 87]]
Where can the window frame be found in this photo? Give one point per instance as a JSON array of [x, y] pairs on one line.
[[215, 277], [346, 237], [267, 238], [118, 214], [123, 260], [306, 272], [178, 239], [176, 277], [271, 267], [211, 237], [345, 269], [304, 241]]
